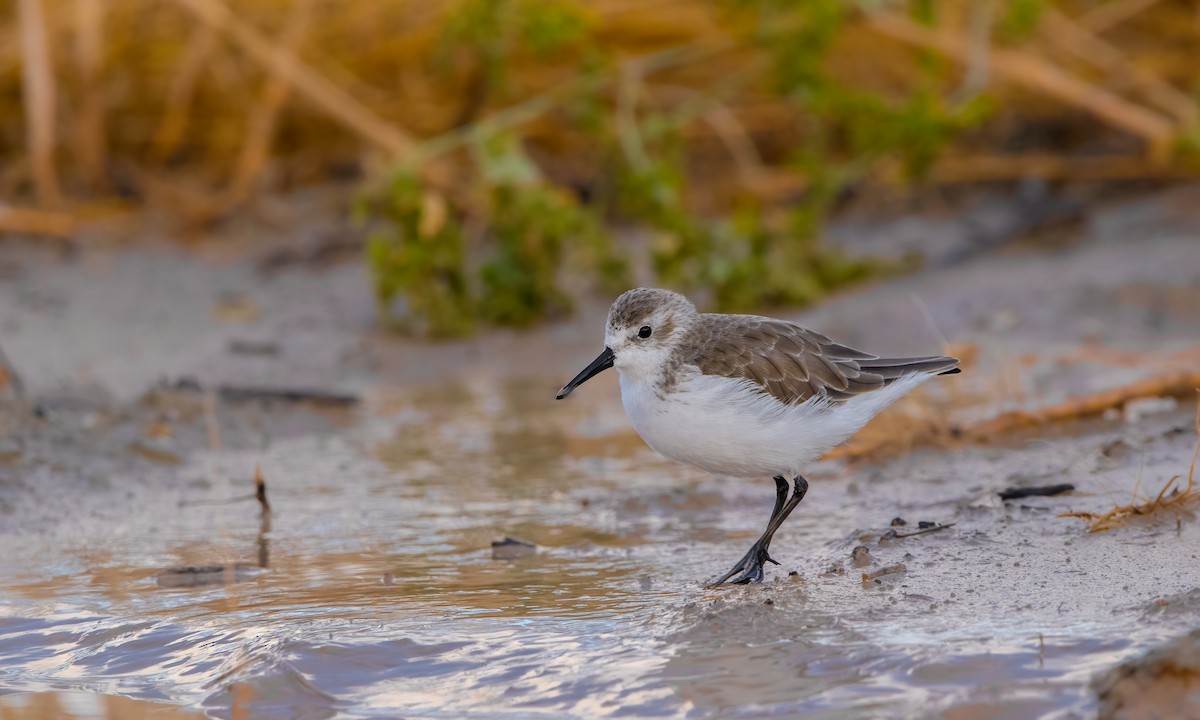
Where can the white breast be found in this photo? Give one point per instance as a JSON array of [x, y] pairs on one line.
[[725, 426]]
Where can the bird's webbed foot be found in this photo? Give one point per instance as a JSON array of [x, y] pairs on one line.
[[747, 570]]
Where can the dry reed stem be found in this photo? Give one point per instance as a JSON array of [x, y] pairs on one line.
[[1040, 75], [1175, 384], [1118, 357], [260, 493], [737, 141], [89, 124], [306, 81], [1064, 33], [1177, 500], [630, 86], [728, 128], [264, 117], [984, 168], [38, 90], [36, 222], [1108, 15], [9, 377], [979, 30], [192, 205], [211, 426], [933, 428], [192, 63], [346, 48]]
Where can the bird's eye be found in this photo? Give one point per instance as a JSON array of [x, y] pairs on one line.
[[644, 332]]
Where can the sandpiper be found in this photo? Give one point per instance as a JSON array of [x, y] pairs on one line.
[[744, 395]]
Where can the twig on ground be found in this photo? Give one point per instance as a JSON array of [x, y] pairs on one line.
[[924, 531], [264, 522], [260, 491], [1017, 493], [886, 570], [319, 397], [285, 394]]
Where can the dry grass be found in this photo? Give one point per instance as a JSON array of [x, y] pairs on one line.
[[1171, 499], [222, 97], [926, 418], [1172, 385]]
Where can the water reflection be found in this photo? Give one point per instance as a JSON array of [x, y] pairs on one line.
[[86, 706], [376, 593]]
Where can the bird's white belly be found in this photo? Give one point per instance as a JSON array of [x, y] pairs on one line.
[[713, 427], [726, 426]]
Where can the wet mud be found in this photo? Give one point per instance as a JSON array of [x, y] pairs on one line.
[[376, 588]]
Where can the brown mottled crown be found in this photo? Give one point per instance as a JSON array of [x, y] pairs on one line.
[[636, 306]]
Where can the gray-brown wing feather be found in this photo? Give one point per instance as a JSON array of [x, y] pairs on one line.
[[793, 363]]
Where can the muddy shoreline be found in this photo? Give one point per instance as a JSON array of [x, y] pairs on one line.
[[381, 595]]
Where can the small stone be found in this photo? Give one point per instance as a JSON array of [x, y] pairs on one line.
[[899, 522], [509, 548], [833, 569], [860, 556], [926, 524]]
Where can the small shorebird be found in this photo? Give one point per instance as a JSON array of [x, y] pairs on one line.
[[744, 395]]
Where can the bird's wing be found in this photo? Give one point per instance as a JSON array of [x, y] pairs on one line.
[[792, 363]]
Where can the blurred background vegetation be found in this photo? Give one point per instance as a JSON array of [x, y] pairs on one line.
[[508, 155]]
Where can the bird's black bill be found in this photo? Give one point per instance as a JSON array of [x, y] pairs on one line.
[[599, 365]]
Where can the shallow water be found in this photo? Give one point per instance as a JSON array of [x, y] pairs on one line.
[[380, 597]]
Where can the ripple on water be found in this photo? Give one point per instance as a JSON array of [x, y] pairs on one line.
[[379, 595]]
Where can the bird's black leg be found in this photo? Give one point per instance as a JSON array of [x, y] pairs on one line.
[[750, 567], [781, 494]]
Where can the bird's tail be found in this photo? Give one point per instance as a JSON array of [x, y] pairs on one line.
[[892, 368]]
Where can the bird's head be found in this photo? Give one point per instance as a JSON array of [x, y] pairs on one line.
[[644, 327]]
